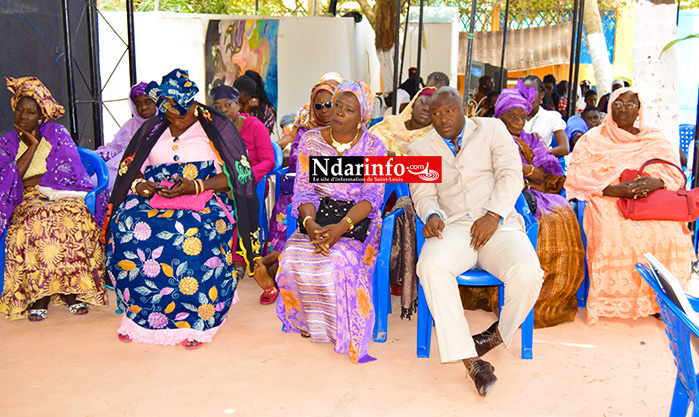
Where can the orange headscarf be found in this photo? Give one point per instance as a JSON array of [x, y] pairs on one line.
[[605, 151], [33, 88]]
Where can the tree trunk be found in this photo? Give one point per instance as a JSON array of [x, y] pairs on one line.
[[597, 45], [655, 75], [386, 63], [383, 20]]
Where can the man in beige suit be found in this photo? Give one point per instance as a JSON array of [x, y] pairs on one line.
[[470, 221]]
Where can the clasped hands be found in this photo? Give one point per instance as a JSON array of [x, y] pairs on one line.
[[183, 186], [324, 237], [638, 187], [481, 230]]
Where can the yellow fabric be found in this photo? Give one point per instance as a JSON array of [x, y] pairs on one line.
[[392, 131], [38, 164]]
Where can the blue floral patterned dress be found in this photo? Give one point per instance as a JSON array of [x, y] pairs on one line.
[[172, 268]]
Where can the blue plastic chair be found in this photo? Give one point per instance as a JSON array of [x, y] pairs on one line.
[[686, 143], [585, 286], [94, 165], [381, 294], [679, 330], [476, 277], [261, 187]]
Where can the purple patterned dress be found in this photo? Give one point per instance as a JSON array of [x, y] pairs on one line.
[[331, 297]]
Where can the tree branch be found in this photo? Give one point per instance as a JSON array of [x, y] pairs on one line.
[[368, 11]]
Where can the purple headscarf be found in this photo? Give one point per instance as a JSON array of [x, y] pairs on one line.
[[113, 151], [520, 96]]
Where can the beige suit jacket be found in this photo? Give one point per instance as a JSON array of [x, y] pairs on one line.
[[486, 175]]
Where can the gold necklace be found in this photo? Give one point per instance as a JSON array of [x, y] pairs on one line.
[[341, 147]]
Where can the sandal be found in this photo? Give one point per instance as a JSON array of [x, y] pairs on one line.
[[76, 309], [194, 345], [37, 314], [269, 295], [241, 272], [124, 338], [304, 334]]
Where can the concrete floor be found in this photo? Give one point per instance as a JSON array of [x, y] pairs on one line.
[[75, 366]]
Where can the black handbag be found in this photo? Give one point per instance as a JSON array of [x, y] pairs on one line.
[[331, 211]]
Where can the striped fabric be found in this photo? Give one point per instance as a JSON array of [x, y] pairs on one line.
[[526, 48]]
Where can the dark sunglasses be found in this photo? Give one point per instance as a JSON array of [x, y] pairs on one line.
[[319, 106]]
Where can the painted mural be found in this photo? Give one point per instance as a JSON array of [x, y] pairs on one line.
[[235, 46]]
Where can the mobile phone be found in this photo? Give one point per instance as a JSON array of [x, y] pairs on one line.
[[160, 187]]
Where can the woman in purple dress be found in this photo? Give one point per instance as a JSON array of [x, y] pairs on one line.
[[266, 268], [52, 246], [324, 277]]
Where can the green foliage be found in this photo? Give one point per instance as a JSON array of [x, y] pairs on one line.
[[230, 7]]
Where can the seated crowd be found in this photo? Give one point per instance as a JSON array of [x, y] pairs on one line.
[[180, 228]]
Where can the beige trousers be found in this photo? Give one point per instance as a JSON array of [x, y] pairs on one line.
[[508, 255]]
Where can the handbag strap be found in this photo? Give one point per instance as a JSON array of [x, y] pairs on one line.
[[662, 161]]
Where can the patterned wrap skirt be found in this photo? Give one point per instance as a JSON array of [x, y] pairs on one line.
[[52, 248], [172, 268]]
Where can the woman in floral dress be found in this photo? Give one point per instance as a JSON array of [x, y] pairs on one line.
[[171, 259]]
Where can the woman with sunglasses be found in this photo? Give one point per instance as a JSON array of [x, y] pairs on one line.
[[615, 243], [266, 268]]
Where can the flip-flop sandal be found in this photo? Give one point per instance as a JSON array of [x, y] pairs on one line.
[[75, 309], [269, 295], [241, 272], [124, 338], [304, 334], [37, 314], [196, 345]]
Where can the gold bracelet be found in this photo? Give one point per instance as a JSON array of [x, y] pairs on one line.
[[135, 183], [530, 172], [350, 223], [664, 185], [305, 219], [196, 187], [201, 185]]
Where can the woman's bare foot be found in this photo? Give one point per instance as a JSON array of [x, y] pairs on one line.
[[262, 276], [270, 259]]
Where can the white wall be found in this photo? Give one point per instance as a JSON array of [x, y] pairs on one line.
[[307, 48], [440, 50]]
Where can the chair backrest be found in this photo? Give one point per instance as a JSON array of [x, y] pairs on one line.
[[94, 165], [679, 329], [278, 155], [686, 139]]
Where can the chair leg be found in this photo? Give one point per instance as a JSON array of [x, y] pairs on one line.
[[424, 324], [528, 336], [680, 401], [380, 303]]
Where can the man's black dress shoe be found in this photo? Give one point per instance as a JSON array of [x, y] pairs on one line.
[[481, 372], [487, 340]]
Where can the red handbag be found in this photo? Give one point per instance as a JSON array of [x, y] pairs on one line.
[[680, 205]]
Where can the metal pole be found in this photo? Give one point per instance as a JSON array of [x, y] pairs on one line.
[[396, 44], [95, 80], [573, 41], [469, 51], [419, 42], [405, 39], [573, 96], [72, 110], [132, 42], [501, 79]]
